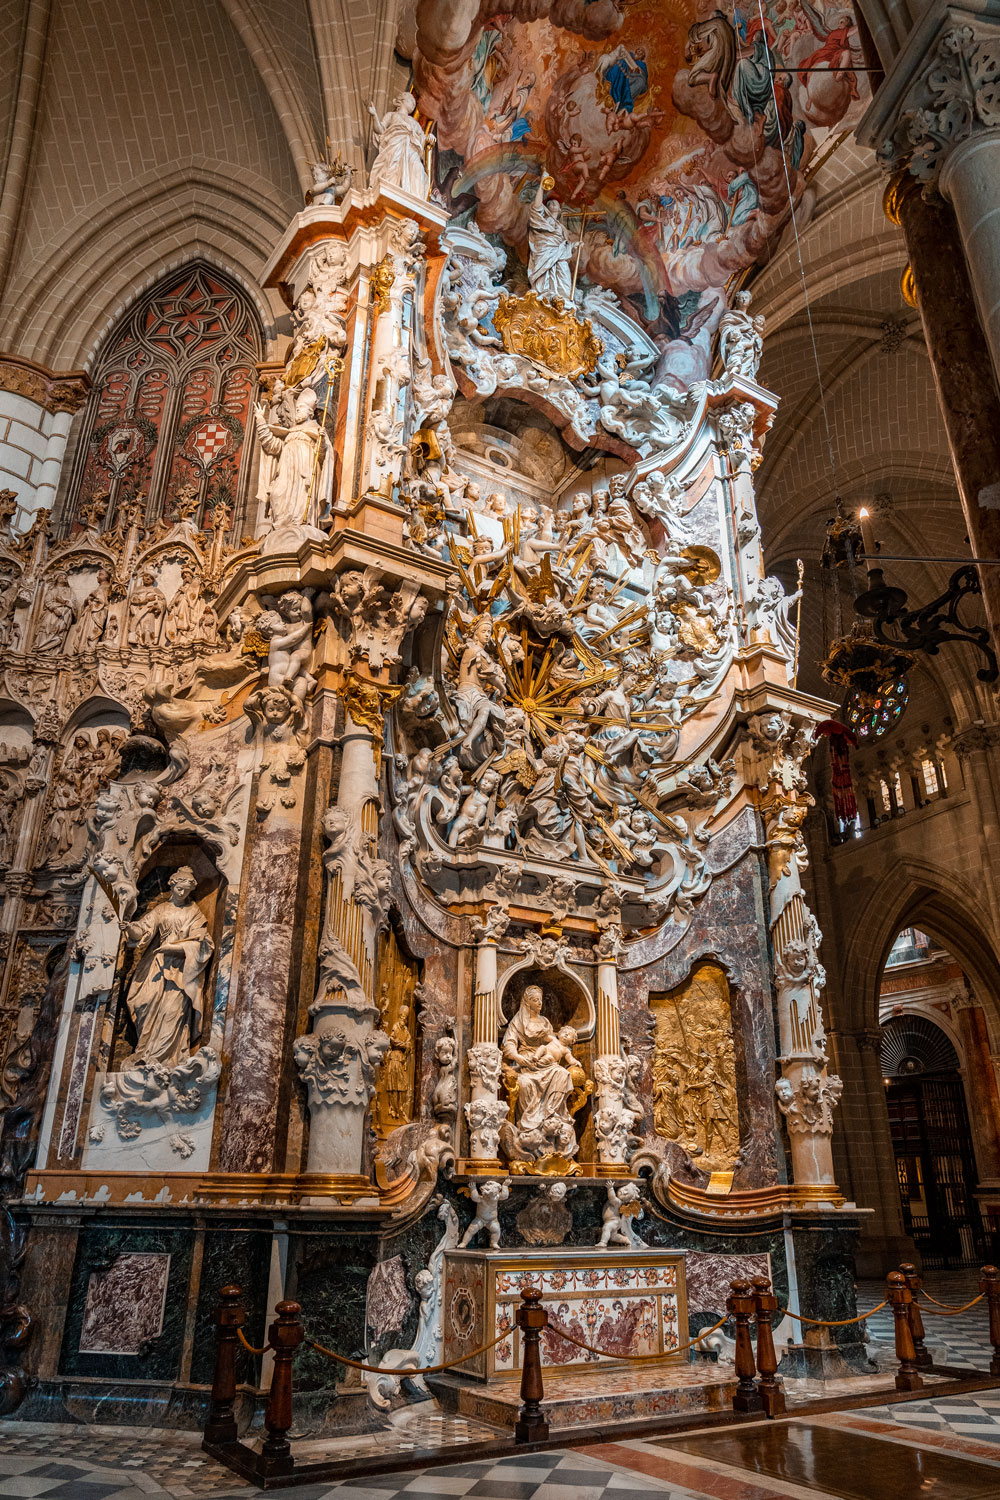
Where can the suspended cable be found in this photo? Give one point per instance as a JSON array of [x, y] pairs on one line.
[[802, 273]]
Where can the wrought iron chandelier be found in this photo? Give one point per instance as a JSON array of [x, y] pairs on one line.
[[930, 626]]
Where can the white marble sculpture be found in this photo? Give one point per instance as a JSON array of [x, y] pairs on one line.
[[487, 1195], [331, 181], [741, 338], [164, 998], [425, 1350], [622, 1206], [401, 142], [300, 486], [549, 250], [543, 1065]]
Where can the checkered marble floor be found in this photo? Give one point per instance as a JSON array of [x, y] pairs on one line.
[[974, 1416], [540, 1476], [962, 1339]]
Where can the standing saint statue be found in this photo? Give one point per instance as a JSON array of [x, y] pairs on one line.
[[741, 338], [401, 146], [549, 249], [93, 617], [164, 998], [396, 1077], [302, 471], [58, 614]]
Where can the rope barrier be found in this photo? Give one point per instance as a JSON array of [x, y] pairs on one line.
[[833, 1322], [952, 1311], [247, 1345], [642, 1358], [405, 1371]]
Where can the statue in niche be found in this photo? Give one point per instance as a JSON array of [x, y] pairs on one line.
[[549, 249], [694, 1068], [401, 142], [58, 614], [184, 611], [164, 997], [395, 1076], [301, 463], [10, 802], [93, 617], [147, 607], [545, 1083]]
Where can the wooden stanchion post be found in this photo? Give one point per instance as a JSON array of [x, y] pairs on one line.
[[914, 1281], [772, 1394], [909, 1377], [740, 1306], [990, 1285], [229, 1316], [285, 1335], [531, 1426]]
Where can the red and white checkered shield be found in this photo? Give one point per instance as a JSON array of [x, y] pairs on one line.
[[210, 441]]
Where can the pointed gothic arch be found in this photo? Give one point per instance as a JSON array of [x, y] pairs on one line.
[[168, 416]]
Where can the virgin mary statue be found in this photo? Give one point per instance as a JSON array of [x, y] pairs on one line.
[[541, 1062], [164, 998]]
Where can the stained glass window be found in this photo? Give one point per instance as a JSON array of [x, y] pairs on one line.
[[870, 718], [172, 399]]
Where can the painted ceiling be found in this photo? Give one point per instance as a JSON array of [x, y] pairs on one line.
[[676, 134]]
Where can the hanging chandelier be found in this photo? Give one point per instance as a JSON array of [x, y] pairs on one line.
[[930, 626], [865, 666]]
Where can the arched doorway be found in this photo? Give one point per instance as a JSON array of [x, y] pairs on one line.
[[932, 1142]]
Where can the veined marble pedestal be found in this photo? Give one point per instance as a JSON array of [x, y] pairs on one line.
[[626, 1301]]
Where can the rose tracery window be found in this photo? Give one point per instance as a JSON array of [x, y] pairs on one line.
[[172, 400]]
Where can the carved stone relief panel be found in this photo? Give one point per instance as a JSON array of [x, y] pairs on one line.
[[694, 1068]]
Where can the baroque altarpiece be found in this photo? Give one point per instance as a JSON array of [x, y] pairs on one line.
[[403, 779]]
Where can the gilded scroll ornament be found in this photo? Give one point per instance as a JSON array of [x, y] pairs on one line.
[[694, 1068], [552, 337]]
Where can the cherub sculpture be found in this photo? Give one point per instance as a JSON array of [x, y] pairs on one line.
[[622, 1205], [487, 1196]]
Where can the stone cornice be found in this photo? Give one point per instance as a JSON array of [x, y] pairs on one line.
[[55, 391], [942, 87]]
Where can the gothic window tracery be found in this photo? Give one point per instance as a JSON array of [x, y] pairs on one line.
[[173, 394]]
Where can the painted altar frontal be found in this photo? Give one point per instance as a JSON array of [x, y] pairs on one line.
[[624, 1302], [445, 851]]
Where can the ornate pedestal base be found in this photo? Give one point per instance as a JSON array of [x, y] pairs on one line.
[[624, 1301]]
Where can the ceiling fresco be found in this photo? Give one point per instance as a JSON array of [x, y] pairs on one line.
[[674, 133]]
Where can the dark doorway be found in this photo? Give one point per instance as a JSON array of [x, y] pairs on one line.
[[932, 1142]]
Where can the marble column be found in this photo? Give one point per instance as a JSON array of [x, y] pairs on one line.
[[970, 180], [338, 1059], [250, 1129], [611, 1126], [960, 361], [485, 1111], [983, 1101]]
